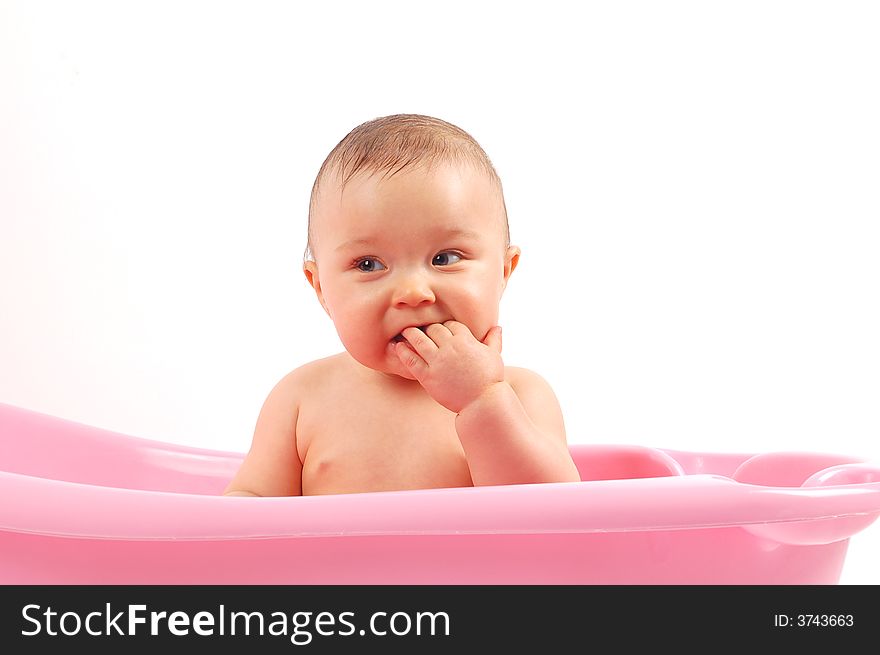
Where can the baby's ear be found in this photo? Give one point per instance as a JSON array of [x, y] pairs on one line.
[[511, 259], [310, 269]]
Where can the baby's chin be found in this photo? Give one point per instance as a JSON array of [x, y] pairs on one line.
[[402, 374]]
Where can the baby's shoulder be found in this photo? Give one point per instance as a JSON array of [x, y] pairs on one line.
[[310, 376], [524, 380]]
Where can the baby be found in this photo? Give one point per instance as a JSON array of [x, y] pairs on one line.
[[409, 254]]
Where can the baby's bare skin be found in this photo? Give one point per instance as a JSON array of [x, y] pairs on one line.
[[380, 436], [411, 270], [356, 433]]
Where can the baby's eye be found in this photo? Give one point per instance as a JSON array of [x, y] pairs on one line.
[[446, 259], [369, 265]]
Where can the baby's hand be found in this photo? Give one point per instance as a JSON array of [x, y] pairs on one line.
[[450, 363]]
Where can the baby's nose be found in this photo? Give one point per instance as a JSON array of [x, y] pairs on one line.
[[413, 290]]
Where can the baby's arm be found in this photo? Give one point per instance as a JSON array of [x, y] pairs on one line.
[[514, 433], [272, 466], [508, 420]]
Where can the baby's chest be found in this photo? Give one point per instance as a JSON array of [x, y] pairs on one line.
[[351, 452]]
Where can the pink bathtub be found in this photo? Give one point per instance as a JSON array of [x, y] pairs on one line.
[[83, 505]]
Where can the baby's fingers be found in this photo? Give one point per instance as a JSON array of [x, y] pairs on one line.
[[411, 360], [420, 342]]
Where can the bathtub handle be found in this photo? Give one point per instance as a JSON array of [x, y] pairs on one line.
[[827, 530]]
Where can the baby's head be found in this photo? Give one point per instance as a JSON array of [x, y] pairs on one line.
[[407, 227], [392, 144]]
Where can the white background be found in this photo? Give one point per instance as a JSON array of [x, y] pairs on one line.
[[694, 186]]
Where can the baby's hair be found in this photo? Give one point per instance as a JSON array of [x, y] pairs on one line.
[[389, 144]]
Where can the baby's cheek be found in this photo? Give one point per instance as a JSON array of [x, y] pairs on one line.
[[356, 343], [481, 321]]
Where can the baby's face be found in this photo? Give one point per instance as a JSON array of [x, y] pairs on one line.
[[414, 249]]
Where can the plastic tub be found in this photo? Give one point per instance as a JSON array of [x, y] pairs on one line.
[[82, 505]]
